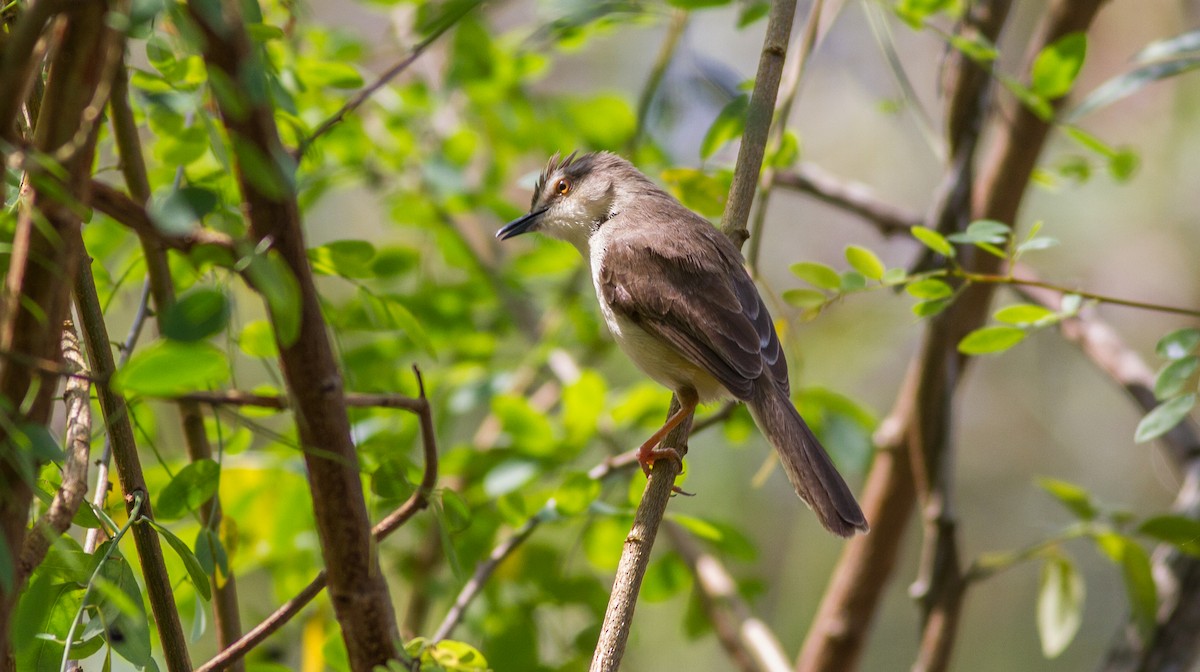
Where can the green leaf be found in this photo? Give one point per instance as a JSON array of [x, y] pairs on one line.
[[990, 340], [582, 404], [1077, 500], [122, 611], [864, 261], [1164, 417], [190, 562], [817, 275], [457, 514], [527, 429], [1057, 65], [1138, 576], [576, 494], [345, 258], [703, 192], [390, 480], [983, 231], [38, 442], [914, 12], [728, 125], [387, 312], [258, 340], [1178, 344], [211, 554], [1024, 314], [853, 281], [697, 4], [975, 47], [194, 485], [179, 211], [805, 298], [1059, 605], [666, 576], [933, 240], [274, 280], [1180, 531], [931, 307], [929, 288], [171, 368], [334, 74], [200, 313], [1173, 379]]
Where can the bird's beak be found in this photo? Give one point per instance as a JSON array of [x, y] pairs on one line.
[[521, 225]]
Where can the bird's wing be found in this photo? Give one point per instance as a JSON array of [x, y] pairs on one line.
[[706, 306]]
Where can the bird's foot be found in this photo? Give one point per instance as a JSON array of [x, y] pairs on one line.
[[648, 454]]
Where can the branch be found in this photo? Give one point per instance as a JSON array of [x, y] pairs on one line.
[[447, 22], [853, 197], [226, 618], [791, 87], [280, 402], [666, 53], [129, 471], [749, 642], [758, 121], [358, 590], [57, 518], [1103, 298], [416, 502], [635, 557], [128, 212]]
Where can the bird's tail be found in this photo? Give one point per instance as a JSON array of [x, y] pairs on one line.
[[809, 469]]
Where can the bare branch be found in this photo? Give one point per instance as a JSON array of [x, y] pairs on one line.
[[57, 518], [749, 642], [853, 197], [758, 121], [130, 213]]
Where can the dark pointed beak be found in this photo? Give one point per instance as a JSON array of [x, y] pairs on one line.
[[521, 225]]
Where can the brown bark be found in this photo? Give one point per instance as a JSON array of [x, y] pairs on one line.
[[356, 585]]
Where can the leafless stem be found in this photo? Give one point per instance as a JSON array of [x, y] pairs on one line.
[[758, 121], [416, 502], [360, 400], [791, 86], [749, 642], [853, 197], [666, 52]]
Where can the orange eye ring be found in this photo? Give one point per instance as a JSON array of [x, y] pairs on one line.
[[562, 187]]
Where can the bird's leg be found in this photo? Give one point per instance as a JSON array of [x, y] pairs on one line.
[[649, 453]]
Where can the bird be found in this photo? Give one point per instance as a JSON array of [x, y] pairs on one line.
[[678, 300]]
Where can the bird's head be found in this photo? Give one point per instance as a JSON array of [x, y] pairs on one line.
[[575, 196]]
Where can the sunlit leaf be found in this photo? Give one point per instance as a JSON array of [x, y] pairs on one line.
[[190, 562], [1057, 65], [865, 261], [1024, 314], [929, 288], [198, 314], [169, 368], [1074, 498], [990, 340], [817, 275], [1060, 604]]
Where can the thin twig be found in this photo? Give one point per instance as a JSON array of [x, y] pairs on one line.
[[1103, 298], [666, 53], [362, 96], [758, 121], [854, 197], [280, 402], [792, 74], [417, 501], [124, 210]]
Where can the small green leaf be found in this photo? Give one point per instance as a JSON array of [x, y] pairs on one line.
[[728, 125], [1139, 585], [853, 281], [1039, 243], [190, 562], [1164, 417], [894, 276], [983, 231], [931, 307], [179, 211], [334, 74], [194, 485], [1178, 344], [1057, 65], [929, 288], [933, 240], [345, 258], [1173, 379], [865, 261], [200, 313], [1074, 498], [1123, 164], [1059, 605], [211, 554], [1181, 531], [817, 275], [1024, 314], [457, 512], [527, 430], [582, 404], [170, 368], [805, 298], [990, 340], [258, 340]]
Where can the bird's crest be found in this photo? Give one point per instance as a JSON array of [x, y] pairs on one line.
[[555, 163]]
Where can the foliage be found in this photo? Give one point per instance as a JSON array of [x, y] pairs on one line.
[[525, 395]]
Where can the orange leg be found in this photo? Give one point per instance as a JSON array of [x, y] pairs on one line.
[[649, 453]]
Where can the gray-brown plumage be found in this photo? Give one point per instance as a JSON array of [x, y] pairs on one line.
[[680, 303]]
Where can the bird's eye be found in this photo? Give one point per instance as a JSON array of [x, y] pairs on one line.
[[562, 187]]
